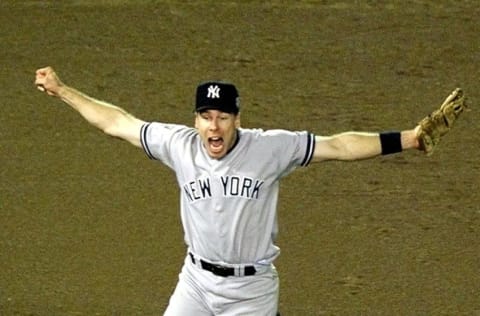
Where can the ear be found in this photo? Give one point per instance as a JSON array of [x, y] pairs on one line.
[[237, 120], [196, 120]]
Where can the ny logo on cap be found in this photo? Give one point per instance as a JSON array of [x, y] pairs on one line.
[[213, 92]]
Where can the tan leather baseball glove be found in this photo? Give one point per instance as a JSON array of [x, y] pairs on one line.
[[440, 121]]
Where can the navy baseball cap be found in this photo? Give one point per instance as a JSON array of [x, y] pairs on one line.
[[217, 95]]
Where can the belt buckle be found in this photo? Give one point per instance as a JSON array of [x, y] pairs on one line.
[[221, 270]]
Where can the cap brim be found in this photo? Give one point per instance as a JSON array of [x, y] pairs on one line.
[[204, 108]]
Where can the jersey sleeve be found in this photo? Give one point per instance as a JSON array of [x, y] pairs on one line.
[[158, 140], [291, 149]]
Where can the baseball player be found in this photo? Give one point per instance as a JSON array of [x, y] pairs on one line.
[[229, 182]]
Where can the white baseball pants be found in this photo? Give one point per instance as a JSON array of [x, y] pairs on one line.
[[201, 293]]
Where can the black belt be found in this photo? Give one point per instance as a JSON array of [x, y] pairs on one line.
[[222, 270]]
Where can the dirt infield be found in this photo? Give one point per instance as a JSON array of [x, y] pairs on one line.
[[90, 226]]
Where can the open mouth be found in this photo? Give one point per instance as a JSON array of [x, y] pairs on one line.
[[215, 143]]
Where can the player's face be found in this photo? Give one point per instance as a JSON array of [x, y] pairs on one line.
[[217, 130]]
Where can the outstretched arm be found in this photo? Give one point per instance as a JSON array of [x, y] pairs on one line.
[[425, 137], [109, 118], [358, 145]]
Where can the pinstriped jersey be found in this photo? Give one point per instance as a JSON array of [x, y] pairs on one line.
[[228, 205]]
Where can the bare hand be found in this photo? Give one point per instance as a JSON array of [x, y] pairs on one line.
[[47, 81]]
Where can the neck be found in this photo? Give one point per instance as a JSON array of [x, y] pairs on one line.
[[235, 141]]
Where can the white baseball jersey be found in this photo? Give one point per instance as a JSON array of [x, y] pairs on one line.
[[228, 205]]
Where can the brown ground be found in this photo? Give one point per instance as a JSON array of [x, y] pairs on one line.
[[89, 225]]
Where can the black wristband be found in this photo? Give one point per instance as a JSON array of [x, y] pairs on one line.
[[391, 142]]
